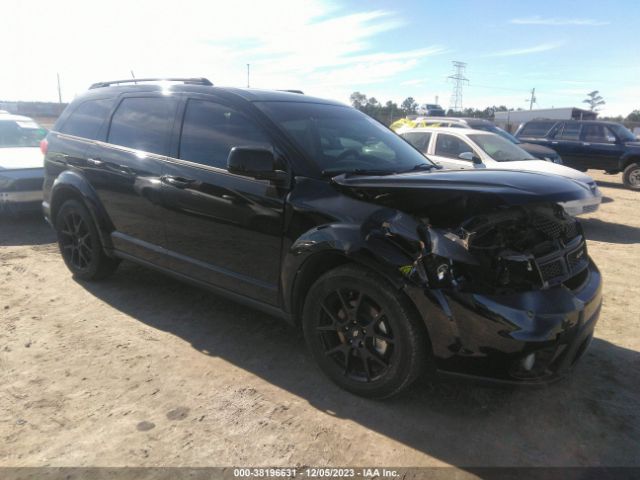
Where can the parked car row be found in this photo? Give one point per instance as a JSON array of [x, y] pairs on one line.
[[464, 148], [312, 211], [589, 144]]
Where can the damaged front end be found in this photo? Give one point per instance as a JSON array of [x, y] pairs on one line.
[[507, 292]]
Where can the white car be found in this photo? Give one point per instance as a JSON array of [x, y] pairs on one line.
[[459, 149], [21, 163]]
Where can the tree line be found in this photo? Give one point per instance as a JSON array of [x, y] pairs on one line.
[[390, 111]]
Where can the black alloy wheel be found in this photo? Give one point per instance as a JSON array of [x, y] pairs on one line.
[[363, 333], [80, 244], [356, 335], [75, 241]]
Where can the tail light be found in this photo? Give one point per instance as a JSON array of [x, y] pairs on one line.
[[44, 145]]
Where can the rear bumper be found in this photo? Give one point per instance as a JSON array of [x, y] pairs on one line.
[[21, 189], [529, 338]]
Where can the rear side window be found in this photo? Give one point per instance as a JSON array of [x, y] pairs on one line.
[[569, 131], [420, 140], [143, 124], [536, 129], [86, 120], [210, 130]]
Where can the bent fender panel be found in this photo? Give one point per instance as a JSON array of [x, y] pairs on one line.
[[72, 181]]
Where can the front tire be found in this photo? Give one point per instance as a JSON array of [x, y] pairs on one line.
[[80, 244], [363, 333], [631, 176]]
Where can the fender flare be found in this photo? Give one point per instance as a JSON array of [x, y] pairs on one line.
[[70, 184], [324, 247]]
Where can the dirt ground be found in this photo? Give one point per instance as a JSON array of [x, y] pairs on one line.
[[141, 370]]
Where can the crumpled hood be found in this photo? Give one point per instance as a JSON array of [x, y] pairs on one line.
[[456, 193]]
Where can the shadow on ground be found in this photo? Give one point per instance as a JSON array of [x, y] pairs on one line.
[[591, 418], [601, 231], [26, 229]]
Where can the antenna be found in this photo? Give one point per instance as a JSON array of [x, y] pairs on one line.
[[459, 80]]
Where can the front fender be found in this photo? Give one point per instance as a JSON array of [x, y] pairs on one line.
[[627, 159], [70, 184]]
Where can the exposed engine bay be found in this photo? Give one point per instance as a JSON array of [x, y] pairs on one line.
[[521, 248], [508, 250]]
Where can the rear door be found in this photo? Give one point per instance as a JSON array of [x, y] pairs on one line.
[[599, 147], [447, 150], [566, 141], [126, 169], [223, 229]]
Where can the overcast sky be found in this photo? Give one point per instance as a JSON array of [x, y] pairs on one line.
[[387, 49]]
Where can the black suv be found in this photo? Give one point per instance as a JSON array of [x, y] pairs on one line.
[[312, 211], [589, 144]]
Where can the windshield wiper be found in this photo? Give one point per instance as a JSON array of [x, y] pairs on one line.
[[421, 166]]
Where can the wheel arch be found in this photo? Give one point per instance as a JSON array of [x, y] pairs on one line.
[[70, 185]]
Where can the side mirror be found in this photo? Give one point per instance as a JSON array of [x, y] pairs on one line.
[[470, 157], [254, 162]]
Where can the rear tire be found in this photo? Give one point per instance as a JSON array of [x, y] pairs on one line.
[[80, 244], [631, 176], [363, 333]]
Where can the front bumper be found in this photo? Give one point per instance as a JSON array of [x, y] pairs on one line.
[[527, 338]]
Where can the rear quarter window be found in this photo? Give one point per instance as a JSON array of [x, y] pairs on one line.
[[85, 121]]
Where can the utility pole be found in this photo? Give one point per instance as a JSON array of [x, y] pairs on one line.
[[59, 89], [248, 75], [533, 98], [459, 80], [437, 100]]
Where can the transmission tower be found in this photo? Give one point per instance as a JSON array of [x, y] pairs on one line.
[[458, 80]]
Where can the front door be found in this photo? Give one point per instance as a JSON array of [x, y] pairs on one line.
[[447, 152], [599, 147], [222, 229]]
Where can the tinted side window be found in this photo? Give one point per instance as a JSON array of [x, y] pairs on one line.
[[210, 130], [570, 131], [86, 120], [143, 124], [597, 134], [536, 129], [420, 140], [450, 146]]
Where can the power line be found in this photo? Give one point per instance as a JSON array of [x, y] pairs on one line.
[[459, 80]]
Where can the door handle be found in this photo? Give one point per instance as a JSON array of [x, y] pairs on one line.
[[554, 143], [586, 144], [95, 162], [178, 182]]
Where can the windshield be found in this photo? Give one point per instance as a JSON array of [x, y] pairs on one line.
[[623, 133], [20, 134], [499, 149], [341, 139]]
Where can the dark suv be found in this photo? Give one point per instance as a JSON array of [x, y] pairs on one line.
[[312, 211], [589, 144]]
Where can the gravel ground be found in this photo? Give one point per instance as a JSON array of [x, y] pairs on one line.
[[141, 370]]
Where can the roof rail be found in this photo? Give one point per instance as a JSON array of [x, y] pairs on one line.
[[293, 91], [189, 81]]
